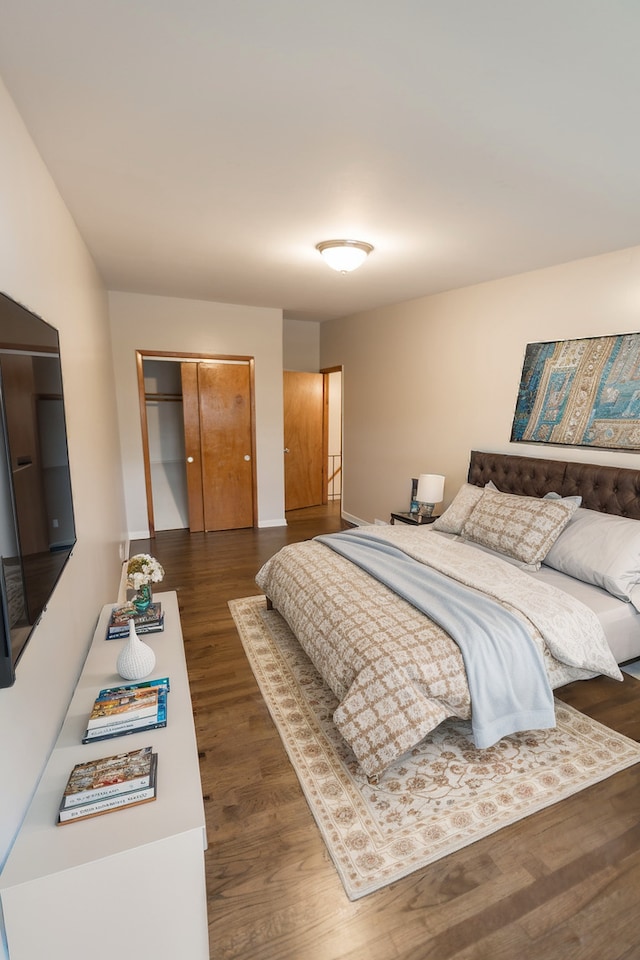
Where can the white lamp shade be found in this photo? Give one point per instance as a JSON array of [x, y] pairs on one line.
[[430, 488]]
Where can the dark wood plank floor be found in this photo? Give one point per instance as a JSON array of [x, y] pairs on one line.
[[564, 883]]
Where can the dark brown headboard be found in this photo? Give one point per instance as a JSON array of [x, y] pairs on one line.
[[606, 489]]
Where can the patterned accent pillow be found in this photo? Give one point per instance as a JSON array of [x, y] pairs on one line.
[[459, 510], [521, 527]]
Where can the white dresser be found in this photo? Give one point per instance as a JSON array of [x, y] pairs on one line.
[[130, 883]]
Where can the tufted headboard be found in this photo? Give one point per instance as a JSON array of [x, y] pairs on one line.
[[606, 489]]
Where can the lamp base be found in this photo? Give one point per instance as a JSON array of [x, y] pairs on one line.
[[426, 509]]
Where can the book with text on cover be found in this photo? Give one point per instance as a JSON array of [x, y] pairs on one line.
[[124, 727], [121, 729], [85, 811], [108, 777], [151, 621], [108, 692], [130, 705], [121, 725], [121, 615], [121, 633]]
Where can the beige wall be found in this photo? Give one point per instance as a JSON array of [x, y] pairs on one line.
[[142, 322], [45, 265], [301, 346], [428, 380]]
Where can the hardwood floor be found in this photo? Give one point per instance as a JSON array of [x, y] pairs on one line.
[[564, 883]]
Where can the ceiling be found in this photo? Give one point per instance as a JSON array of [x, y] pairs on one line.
[[204, 147]]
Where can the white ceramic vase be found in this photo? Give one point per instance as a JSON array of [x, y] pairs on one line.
[[136, 659]]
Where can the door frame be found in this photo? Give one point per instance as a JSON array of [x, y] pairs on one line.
[[325, 371], [141, 356]]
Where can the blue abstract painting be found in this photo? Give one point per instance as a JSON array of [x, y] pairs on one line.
[[582, 393]]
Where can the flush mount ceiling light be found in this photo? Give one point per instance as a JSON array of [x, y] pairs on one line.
[[344, 255]]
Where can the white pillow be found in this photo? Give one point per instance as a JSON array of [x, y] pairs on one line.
[[521, 527], [552, 495], [556, 496], [602, 549]]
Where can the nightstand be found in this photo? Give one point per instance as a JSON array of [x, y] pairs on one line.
[[414, 518]]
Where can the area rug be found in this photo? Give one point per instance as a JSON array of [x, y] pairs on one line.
[[439, 798]]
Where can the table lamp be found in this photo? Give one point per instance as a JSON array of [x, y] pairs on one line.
[[430, 491]]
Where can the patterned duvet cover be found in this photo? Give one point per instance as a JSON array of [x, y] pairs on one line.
[[397, 674]]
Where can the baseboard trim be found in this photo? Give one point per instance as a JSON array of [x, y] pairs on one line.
[[356, 521]]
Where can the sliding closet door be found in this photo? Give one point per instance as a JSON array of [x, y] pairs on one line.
[[193, 465], [218, 417]]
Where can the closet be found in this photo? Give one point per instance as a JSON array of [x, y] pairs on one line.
[[199, 441]]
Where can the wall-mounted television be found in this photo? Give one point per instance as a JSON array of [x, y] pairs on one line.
[[37, 528]]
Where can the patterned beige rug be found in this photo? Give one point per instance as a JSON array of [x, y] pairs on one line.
[[441, 797]]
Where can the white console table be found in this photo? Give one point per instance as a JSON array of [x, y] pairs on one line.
[[130, 883]]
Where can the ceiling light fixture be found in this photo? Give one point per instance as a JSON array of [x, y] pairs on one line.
[[344, 255]]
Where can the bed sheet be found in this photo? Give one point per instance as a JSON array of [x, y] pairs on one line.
[[620, 620]]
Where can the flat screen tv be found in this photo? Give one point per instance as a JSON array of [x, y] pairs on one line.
[[37, 528]]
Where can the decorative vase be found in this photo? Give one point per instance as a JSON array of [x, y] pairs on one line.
[[136, 659], [142, 598]]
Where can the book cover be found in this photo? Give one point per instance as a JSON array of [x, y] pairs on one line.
[[108, 692], [119, 633], [94, 808], [121, 615], [123, 727], [131, 705], [122, 630], [113, 803], [119, 770], [140, 777]]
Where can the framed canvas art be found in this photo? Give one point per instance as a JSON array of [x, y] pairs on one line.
[[582, 393]]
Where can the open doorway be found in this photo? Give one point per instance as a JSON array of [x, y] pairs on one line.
[[333, 379], [312, 438]]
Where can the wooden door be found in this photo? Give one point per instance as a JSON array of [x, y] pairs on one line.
[[304, 444], [218, 419], [191, 418]]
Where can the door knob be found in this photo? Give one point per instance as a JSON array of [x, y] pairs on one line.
[[189, 459], [286, 450], [247, 457]]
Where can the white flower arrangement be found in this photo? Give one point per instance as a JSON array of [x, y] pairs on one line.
[[143, 569]]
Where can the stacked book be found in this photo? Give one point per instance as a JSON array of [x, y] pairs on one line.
[[111, 783], [151, 621], [129, 708]]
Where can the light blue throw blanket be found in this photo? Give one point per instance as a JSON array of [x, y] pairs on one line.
[[509, 687]]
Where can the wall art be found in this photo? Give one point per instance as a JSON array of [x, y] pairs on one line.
[[582, 393]]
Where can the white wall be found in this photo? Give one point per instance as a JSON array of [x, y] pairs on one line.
[[428, 380], [335, 413], [148, 323], [45, 265]]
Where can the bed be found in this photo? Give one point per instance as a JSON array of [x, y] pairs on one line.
[[534, 568]]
